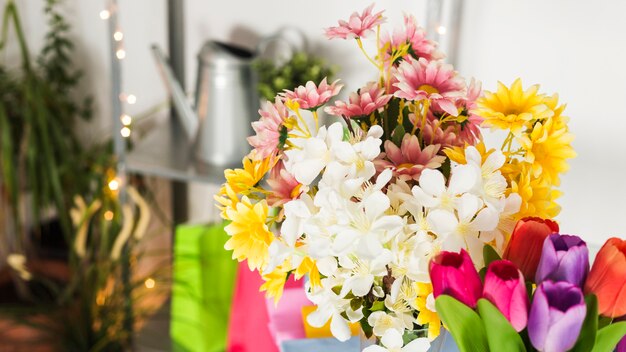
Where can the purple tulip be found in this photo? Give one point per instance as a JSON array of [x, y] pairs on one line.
[[454, 274], [556, 316], [505, 288], [563, 258]]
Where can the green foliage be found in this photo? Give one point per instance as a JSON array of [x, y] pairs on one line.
[[300, 69], [587, 337], [609, 336], [463, 323], [500, 334]]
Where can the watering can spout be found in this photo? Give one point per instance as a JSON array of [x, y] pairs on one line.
[[188, 118]]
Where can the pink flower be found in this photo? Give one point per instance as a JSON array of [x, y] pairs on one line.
[[310, 96], [415, 36], [506, 289], [358, 26], [449, 134], [430, 80], [454, 274], [362, 102], [409, 160], [269, 128], [284, 186]]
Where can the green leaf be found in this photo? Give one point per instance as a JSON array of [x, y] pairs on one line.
[[500, 334], [378, 305], [398, 134], [587, 337], [463, 323], [608, 337], [490, 255]]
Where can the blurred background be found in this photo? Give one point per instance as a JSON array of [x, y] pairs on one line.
[[571, 47]]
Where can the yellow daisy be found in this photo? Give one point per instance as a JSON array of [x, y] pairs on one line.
[[538, 197], [250, 236], [274, 283], [227, 199], [308, 266], [242, 180], [512, 108], [457, 154], [425, 315], [547, 148]]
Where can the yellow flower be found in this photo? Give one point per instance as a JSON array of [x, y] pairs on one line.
[[457, 154], [538, 197], [275, 283], [547, 148], [512, 108], [242, 180], [308, 266], [227, 199], [425, 315], [250, 236]]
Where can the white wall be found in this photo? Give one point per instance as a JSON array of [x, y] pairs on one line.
[[572, 47]]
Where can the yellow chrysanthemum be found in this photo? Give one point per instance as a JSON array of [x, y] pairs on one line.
[[512, 108], [457, 154], [547, 148], [227, 198], [425, 315], [242, 180], [275, 283], [538, 197], [308, 266], [552, 102], [250, 236]]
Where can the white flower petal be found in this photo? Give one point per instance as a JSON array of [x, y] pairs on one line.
[[339, 328], [432, 182], [442, 222], [375, 205], [463, 179], [418, 345], [392, 339], [467, 206]]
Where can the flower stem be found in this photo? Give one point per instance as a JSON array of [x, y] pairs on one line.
[[358, 40], [316, 118]]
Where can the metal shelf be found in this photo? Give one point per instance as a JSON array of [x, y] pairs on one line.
[[165, 153]]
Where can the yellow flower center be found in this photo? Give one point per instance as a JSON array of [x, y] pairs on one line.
[[428, 89]]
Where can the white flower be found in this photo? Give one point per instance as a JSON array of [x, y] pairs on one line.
[[329, 307], [506, 224], [297, 212], [432, 191], [392, 342], [491, 185], [382, 322], [312, 154], [363, 273]]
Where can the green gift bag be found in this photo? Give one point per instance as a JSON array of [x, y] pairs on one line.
[[204, 276]]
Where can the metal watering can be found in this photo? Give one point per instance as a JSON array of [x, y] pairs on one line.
[[226, 100]]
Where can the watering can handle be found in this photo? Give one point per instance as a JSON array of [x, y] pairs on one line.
[[185, 113], [292, 36]]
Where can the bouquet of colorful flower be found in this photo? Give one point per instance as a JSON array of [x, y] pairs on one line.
[[362, 205], [539, 298]]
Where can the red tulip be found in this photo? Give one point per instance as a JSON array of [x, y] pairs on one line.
[[454, 274], [607, 278], [506, 289], [526, 244]]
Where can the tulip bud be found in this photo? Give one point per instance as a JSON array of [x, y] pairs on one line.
[[454, 274], [506, 289], [525, 245], [607, 278], [556, 316], [563, 258]]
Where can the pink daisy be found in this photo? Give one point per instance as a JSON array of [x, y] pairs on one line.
[[358, 26], [284, 186], [269, 128], [412, 34], [410, 159], [362, 102], [310, 96], [430, 80], [449, 134]]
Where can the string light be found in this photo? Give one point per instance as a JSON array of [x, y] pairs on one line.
[[118, 36], [120, 54], [108, 215], [150, 283], [125, 132], [105, 14], [126, 120], [442, 30], [114, 185]]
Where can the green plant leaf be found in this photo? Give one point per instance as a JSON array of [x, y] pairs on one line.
[[490, 255], [587, 337], [500, 334], [463, 323], [608, 337], [398, 134]]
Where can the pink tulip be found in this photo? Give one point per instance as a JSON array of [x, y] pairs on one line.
[[505, 288], [454, 274]]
